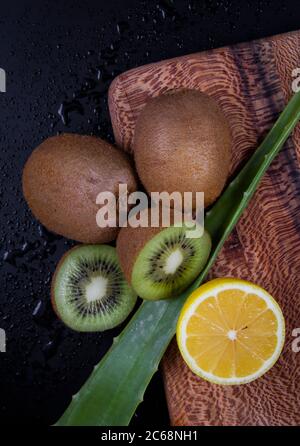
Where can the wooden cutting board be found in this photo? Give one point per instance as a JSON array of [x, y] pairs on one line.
[[252, 82]]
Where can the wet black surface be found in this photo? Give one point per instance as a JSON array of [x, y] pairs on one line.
[[60, 58]]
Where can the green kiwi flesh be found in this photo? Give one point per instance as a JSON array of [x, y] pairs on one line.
[[168, 263], [89, 290]]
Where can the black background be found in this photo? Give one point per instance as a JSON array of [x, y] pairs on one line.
[[60, 57]]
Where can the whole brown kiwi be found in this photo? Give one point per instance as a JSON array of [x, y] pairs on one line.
[[62, 178], [182, 143]]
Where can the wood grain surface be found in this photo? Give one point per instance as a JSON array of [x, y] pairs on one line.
[[252, 82]]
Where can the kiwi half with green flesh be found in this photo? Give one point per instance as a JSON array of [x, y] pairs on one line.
[[182, 143], [160, 263], [89, 291]]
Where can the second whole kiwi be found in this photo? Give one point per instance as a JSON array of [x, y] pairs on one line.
[[182, 142]]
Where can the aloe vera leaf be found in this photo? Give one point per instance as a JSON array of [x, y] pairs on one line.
[[115, 388]]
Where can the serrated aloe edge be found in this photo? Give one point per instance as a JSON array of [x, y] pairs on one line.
[[117, 384]]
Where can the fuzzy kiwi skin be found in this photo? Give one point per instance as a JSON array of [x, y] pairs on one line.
[[182, 142], [62, 178]]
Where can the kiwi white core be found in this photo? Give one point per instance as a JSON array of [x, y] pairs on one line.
[[173, 261], [96, 289]]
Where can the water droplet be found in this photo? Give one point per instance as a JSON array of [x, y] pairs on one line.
[[68, 107]]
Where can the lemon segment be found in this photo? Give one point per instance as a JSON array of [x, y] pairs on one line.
[[230, 331]]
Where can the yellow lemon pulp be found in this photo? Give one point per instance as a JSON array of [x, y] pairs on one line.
[[230, 331]]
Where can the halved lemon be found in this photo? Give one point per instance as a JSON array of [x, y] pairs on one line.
[[230, 331]]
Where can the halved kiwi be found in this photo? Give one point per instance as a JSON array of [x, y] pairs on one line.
[[161, 262], [89, 291]]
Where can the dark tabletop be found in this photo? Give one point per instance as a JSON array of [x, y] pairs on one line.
[[59, 58]]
